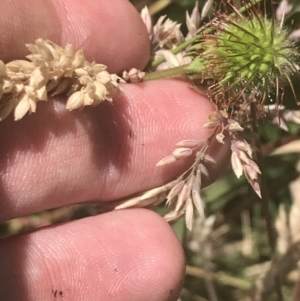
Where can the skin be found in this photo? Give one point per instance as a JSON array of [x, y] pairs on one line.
[[55, 158]]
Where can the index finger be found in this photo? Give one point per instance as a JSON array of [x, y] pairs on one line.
[[109, 32]]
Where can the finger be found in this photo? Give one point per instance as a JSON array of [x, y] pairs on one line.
[[109, 32], [55, 157], [126, 255]]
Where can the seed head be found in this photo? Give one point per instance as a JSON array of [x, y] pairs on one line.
[[247, 57]]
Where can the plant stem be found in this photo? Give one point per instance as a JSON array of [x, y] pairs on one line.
[[219, 277], [158, 6], [172, 72], [265, 199]]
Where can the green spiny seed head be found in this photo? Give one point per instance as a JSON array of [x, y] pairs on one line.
[[245, 56]]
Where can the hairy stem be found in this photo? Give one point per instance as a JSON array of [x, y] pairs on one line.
[[172, 72]]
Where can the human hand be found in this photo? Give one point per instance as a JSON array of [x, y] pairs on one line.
[[55, 158]]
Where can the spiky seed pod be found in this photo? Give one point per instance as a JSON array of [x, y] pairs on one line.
[[247, 57]]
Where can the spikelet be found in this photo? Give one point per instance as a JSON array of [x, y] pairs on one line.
[[53, 70]]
